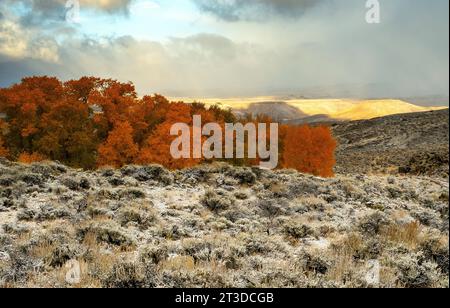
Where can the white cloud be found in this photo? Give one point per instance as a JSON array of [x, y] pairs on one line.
[[17, 42], [143, 8], [13, 42]]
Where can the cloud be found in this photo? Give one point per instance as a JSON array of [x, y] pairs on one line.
[[109, 6], [51, 12], [331, 49], [33, 32], [255, 10], [205, 46], [17, 42]]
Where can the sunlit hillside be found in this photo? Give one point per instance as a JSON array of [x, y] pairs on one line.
[[339, 109], [379, 108], [234, 103]]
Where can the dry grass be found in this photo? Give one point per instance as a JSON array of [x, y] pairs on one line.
[[179, 263], [43, 250], [407, 234]]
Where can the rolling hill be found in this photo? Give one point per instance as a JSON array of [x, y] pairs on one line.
[[292, 110], [413, 143], [379, 108]]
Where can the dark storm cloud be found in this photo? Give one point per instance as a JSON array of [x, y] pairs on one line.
[[44, 12], [255, 10], [49, 12], [13, 70], [109, 6]]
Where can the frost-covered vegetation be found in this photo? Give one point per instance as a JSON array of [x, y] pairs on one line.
[[219, 226]]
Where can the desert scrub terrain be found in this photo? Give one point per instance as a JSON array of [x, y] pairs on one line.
[[413, 144], [219, 226]]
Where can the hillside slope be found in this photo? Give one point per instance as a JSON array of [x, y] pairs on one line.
[[414, 143], [378, 108], [294, 110]]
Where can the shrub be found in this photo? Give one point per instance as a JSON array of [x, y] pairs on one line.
[[217, 201], [315, 264], [147, 173], [142, 218], [199, 249], [241, 195], [107, 232], [48, 169], [270, 208], [71, 183], [414, 272], [372, 224], [130, 275], [154, 254], [6, 180], [55, 254], [243, 175], [116, 181], [51, 212], [297, 230], [437, 252], [31, 178], [131, 194], [26, 214]]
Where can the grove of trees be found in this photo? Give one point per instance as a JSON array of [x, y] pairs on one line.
[[93, 122]]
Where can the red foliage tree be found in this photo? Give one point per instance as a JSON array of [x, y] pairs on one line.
[[67, 134], [308, 149], [157, 147], [24, 104], [3, 150], [120, 148], [29, 158]]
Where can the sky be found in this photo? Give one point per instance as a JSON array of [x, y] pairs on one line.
[[226, 48]]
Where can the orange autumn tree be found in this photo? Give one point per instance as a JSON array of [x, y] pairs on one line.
[[23, 104], [67, 134], [308, 149], [29, 158], [157, 147], [119, 149], [3, 150]]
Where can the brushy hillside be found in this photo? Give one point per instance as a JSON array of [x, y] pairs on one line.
[[219, 226], [414, 144]]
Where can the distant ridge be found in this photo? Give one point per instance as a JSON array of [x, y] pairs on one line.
[[312, 111], [379, 108], [303, 110]]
